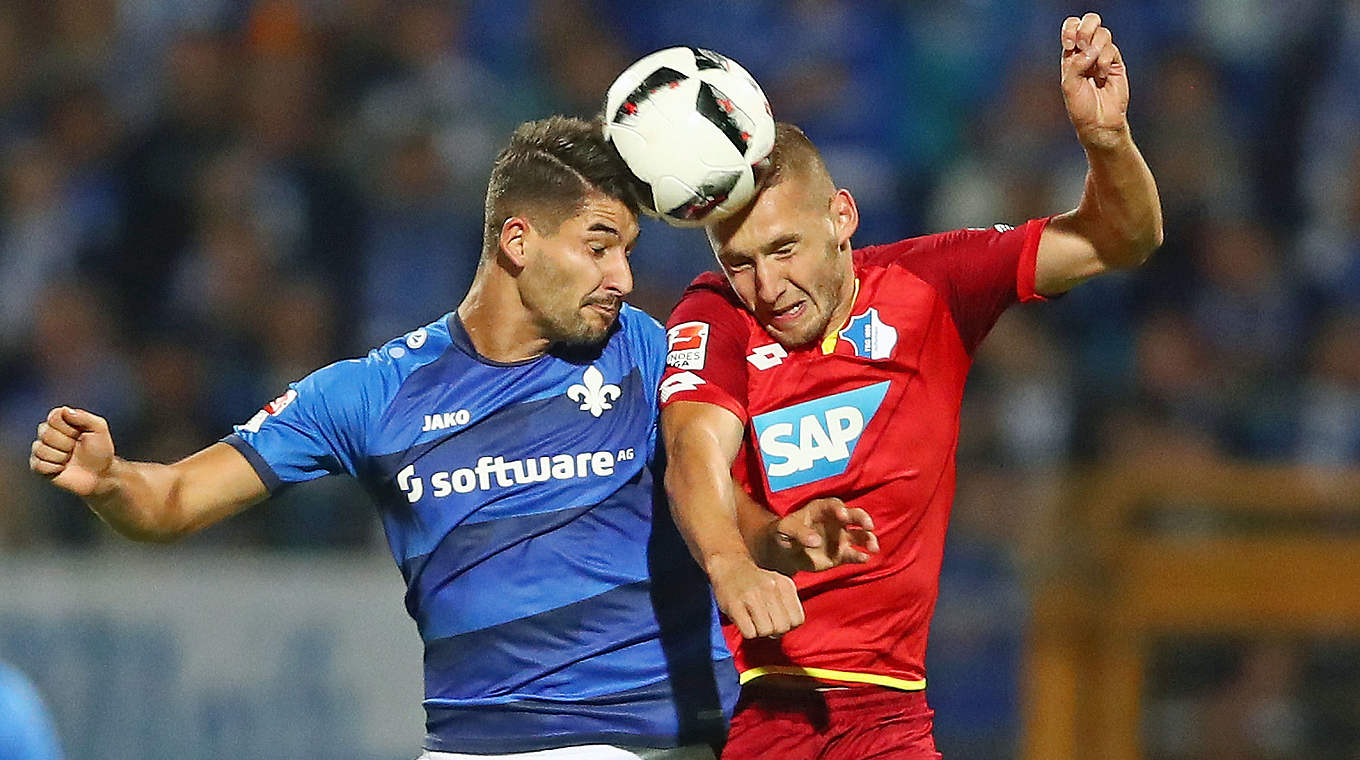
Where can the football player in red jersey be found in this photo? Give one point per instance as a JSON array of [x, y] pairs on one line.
[[814, 370]]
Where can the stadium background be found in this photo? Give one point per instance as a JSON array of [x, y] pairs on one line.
[[203, 200]]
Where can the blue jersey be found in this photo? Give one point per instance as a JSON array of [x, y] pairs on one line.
[[557, 607], [26, 731]]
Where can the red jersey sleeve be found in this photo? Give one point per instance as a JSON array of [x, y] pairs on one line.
[[978, 272], [706, 348]]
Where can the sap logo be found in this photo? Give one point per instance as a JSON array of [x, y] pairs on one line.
[[593, 393], [814, 440], [446, 420], [766, 357]]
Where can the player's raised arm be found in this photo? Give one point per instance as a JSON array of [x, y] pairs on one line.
[[1118, 222], [144, 501]]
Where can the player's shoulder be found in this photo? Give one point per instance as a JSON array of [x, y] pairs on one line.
[[412, 350], [959, 241], [393, 361], [709, 297], [639, 325], [711, 284]]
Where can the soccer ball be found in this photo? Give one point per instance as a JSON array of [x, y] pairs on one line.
[[692, 125]]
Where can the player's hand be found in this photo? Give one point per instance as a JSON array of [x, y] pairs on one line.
[[74, 450], [760, 602], [1095, 84], [820, 535]]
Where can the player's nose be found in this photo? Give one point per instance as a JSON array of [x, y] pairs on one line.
[[618, 275], [770, 282]]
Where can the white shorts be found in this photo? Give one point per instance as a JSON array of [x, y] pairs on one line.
[[588, 752]]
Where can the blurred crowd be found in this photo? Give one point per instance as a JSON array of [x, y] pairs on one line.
[[202, 201]]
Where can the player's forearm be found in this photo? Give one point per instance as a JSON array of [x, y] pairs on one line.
[[759, 529], [140, 500], [1120, 211], [702, 502]]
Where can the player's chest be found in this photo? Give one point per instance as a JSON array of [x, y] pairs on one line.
[[523, 425], [817, 417], [883, 340]]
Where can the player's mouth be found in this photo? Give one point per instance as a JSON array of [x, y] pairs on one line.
[[607, 309], [782, 318]]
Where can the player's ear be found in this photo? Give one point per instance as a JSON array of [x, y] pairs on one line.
[[844, 215], [514, 241]]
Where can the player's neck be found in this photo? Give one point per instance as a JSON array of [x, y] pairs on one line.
[[841, 314], [498, 324]]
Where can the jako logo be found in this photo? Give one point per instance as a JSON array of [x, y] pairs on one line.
[[813, 440]]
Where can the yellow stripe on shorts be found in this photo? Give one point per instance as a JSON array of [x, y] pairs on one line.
[[834, 675]]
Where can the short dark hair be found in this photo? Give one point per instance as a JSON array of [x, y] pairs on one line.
[[546, 172]]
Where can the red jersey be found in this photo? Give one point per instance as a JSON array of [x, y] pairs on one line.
[[870, 415]]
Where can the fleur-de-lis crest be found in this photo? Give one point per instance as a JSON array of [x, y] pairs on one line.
[[594, 394]]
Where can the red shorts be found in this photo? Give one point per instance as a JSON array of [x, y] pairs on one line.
[[857, 723]]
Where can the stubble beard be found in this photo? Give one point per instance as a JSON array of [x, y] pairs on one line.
[[570, 327], [825, 297], [561, 320]]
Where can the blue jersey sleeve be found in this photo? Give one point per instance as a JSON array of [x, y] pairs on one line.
[[647, 344], [321, 424], [315, 428]]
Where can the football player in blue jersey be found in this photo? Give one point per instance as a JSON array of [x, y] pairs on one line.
[[511, 448]]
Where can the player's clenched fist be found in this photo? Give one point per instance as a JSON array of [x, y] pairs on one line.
[[73, 449], [759, 602], [1095, 84]]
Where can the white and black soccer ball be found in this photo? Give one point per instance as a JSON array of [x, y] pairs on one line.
[[692, 125]]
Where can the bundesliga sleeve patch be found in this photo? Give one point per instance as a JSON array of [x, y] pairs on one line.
[[269, 410], [687, 345]]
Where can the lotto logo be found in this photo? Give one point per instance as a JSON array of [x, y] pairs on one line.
[[687, 345], [766, 357], [814, 440], [680, 381]]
